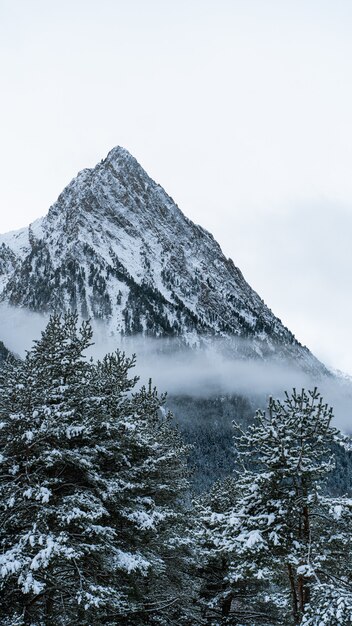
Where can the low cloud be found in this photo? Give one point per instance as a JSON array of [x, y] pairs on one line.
[[20, 327], [202, 372]]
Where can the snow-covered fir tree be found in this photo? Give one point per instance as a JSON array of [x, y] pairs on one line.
[[215, 596], [284, 457], [151, 483], [282, 548], [224, 600], [96, 525], [92, 485], [330, 566]]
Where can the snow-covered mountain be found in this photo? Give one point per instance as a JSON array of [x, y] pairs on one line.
[[115, 246]]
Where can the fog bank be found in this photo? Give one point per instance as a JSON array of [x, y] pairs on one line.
[[203, 372]]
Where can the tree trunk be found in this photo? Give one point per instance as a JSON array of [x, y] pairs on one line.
[[300, 593], [49, 606], [226, 606], [293, 594]]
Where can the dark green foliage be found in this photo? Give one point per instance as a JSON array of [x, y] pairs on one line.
[[271, 543], [206, 424], [4, 353], [92, 490], [339, 481], [146, 303]]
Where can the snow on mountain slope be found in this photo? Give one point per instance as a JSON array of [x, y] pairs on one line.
[[116, 247]]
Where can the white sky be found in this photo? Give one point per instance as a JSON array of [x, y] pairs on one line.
[[242, 110]]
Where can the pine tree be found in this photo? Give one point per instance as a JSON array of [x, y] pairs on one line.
[[280, 546], [330, 601], [152, 484], [211, 516], [92, 486], [285, 455], [225, 598]]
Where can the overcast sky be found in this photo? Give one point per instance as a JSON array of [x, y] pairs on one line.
[[241, 110]]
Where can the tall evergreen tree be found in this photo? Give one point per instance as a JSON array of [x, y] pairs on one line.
[[92, 484], [220, 601], [330, 565], [281, 542], [285, 455]]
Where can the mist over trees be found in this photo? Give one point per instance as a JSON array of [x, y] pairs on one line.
[[99, 523]]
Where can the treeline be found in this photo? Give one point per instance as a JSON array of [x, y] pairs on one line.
[[98, 524]]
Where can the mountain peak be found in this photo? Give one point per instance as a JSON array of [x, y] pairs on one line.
[[116, 247], [118, 153], [121, 170], [122, 161]]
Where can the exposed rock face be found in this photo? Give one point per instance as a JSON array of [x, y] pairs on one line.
[[115, 246]]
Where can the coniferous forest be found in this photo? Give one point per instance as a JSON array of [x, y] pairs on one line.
[[99, 523]]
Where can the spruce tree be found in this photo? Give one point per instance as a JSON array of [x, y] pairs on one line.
[[212, 513], [151, 484], [92, 485], [225, 598], [283, 546], [284, 456], [330, 567]]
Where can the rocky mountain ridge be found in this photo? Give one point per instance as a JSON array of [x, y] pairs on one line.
[[116, 247]]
